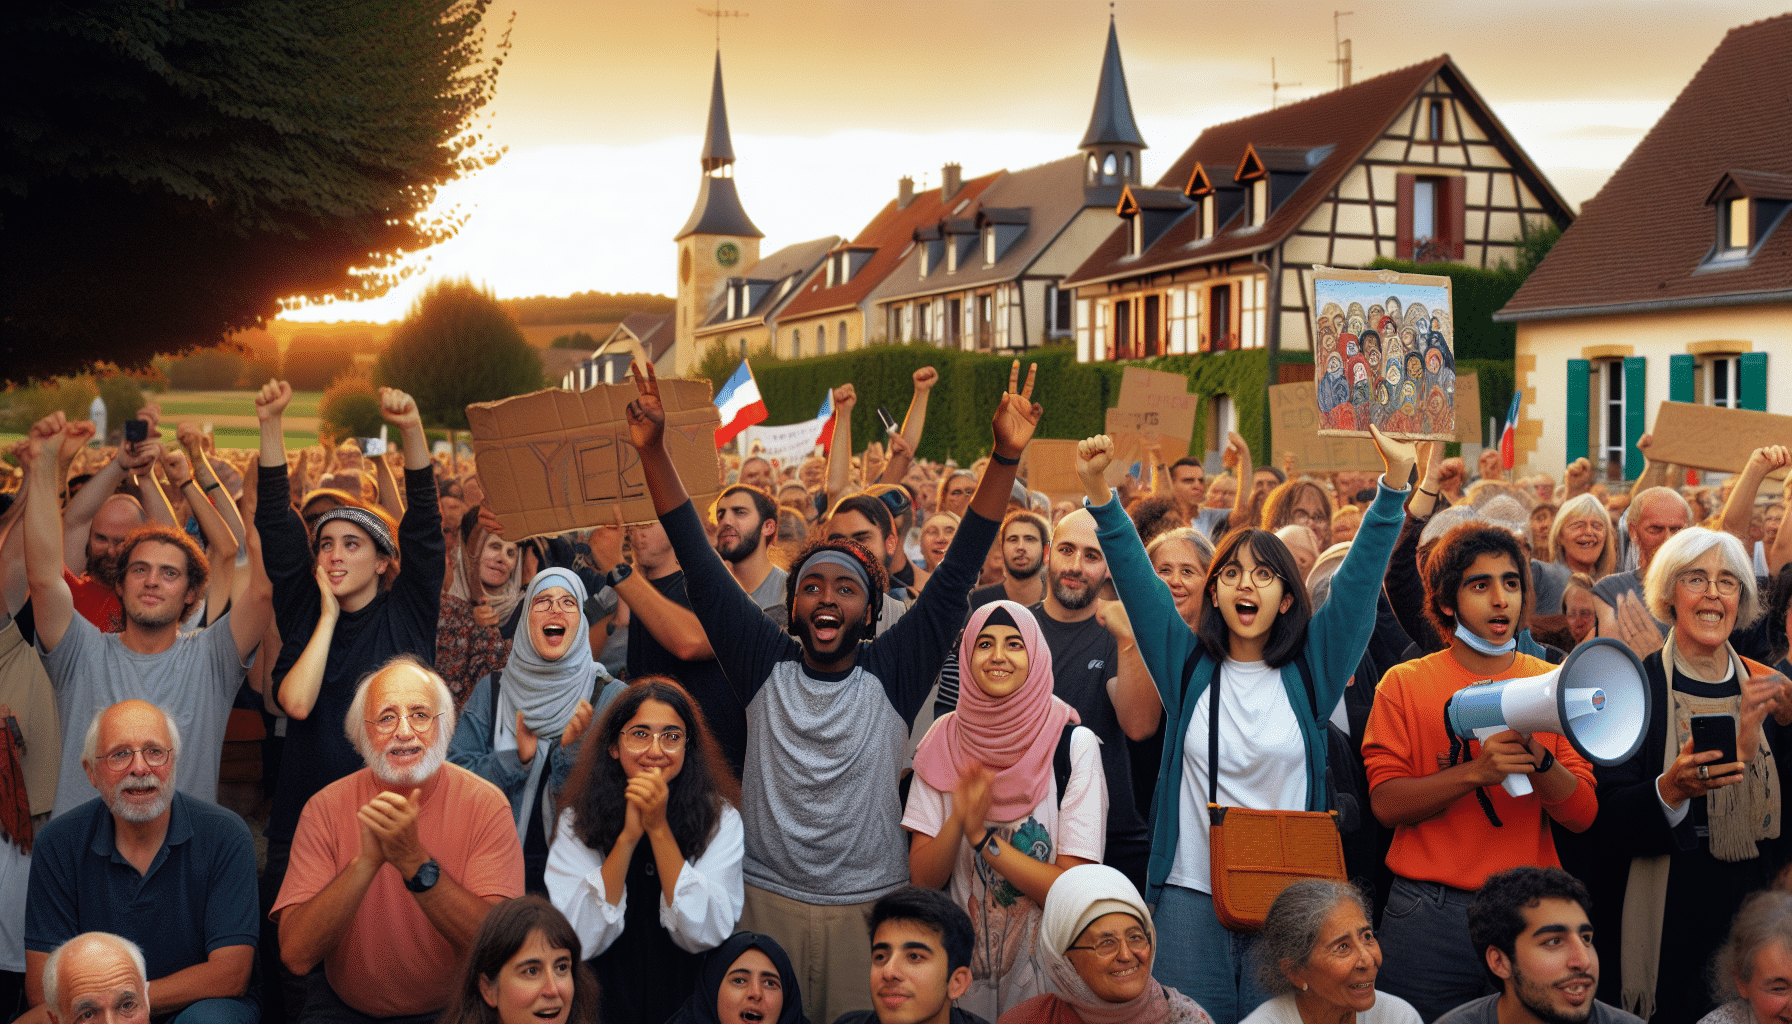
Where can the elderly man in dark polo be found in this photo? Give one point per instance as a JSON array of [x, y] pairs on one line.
[[395, 867], [170, 872]]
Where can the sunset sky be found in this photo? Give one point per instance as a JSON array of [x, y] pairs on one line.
[[601, 104]]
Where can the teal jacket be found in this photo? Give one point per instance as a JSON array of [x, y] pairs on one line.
[[1336, 638]]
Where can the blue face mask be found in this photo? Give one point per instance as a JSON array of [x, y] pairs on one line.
[[1475, 642]]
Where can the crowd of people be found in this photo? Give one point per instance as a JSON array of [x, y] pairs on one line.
[[877, 739]]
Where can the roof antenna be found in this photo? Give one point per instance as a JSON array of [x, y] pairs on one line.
[[1276, 87], [1341, 50], [718, 14]]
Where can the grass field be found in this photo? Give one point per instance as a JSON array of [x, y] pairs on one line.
[[179, 405]]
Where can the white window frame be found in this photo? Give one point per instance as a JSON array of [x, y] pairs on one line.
[[1723, 381], [1424, 210], [1611, 448]]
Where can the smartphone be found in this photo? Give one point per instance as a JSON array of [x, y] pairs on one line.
[[136, 431], [1715, 732], [889, 421]]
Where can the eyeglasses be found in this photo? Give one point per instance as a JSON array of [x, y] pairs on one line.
[[1305, 518], [1262, 576], [1696, 582], [547, 603], [1109, 947], [154, 756], [387, 724], [638, 739]]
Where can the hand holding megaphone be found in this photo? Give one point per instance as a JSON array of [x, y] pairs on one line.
[[1504, 755]]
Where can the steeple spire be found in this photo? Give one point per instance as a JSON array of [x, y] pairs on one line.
[[718, 148], [1111, 123]]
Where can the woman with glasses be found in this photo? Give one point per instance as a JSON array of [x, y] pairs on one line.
[[1300, 503], [1279, 669], [520, 729], [1008, 792], [646, 861], [1097, 941], [1686, 833]]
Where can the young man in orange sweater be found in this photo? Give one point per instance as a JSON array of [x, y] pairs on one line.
[[1453, 823]]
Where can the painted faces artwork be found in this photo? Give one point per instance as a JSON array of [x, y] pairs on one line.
[[1382, 344], [1372, 348], [1415, 366]]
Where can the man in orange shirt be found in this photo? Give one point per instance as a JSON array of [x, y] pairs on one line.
[[390, 941], [1453, 823]]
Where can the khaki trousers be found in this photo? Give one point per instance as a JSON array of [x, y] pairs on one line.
[[828, 944]]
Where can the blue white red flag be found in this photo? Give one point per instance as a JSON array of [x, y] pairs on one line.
[[739, 403], [1509, 435], [826, 415]]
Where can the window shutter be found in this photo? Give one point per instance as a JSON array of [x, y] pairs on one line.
[[1403, 216], [1454, 213], [1578, 371], [1680, 387], [1754, 381], [1635, 406]]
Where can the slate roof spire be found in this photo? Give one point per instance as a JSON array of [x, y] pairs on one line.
[[1111, 122], [718, 148]]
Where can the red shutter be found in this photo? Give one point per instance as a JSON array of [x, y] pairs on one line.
[[1403, 216], [1455, 213]]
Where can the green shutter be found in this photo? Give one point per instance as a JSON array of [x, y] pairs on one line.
[[1680, 388], [1578, 370], [1635, 408], [1754, 381]]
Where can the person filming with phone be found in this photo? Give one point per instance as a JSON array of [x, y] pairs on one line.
[[1686, 832]]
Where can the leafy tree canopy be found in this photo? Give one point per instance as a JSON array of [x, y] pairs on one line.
[[456, 346], [577, 339], [171, 170]]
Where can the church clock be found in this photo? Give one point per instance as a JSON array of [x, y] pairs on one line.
[[727, 254]]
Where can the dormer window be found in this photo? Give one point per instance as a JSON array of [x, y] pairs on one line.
[[926, 253], [989, 245], [1135, 231], [1259, 201], [829, 283], [1736, 225], [1207, 215], [952, 257]]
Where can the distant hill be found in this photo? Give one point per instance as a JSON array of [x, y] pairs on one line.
[[584, 308]]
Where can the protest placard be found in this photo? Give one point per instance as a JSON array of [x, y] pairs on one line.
[[1294, 419], [1712, 437], [1384, 353], [1153, 402], [1051, 464], [557, 460]]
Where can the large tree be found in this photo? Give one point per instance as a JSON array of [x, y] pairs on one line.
[[172, 169], [456, 346]]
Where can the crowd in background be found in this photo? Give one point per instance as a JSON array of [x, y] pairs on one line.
[[876, 717]]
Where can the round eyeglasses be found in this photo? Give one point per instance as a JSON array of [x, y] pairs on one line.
[[387, 724], [1262, 575], [1696, 582], [638, 739], [1109, 947], [154, 756]]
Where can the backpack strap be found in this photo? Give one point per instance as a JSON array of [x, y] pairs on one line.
[[493, 679], [1061, 759]]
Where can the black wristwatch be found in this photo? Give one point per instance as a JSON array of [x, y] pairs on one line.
[[622, 572], [1548, 762], [426, 877]]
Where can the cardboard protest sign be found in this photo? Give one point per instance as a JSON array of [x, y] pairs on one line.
[[1051, 464], [1294, 420], [1384, 353], [1154, 402], [559, 460], [1712, 437]]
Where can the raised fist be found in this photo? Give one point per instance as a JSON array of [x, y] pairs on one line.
[[272, 400]]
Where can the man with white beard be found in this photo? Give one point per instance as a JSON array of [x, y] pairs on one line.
[[396, 864], [174, 874]]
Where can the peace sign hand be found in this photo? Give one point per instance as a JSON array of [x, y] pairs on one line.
[[646, 416], [1018, 415]]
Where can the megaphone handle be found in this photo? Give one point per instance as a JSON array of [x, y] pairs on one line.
[[1517, 785]]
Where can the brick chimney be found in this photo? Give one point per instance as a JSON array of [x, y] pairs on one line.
[[951, 180], [905, 192]]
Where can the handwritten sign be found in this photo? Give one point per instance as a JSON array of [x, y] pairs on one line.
[[1154, 402], [557, 460], [1712, 437], [1294, 422]]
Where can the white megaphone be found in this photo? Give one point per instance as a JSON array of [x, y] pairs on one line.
[[1598, 698]]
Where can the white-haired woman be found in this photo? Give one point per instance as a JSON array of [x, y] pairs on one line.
[[1318, 958], [1582, 538], [1688, 837], [1750, 971]]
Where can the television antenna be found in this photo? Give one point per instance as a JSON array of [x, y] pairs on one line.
[[718, 14], [1276, 87], [1341, 49]]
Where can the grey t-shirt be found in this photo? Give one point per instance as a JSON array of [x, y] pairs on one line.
[[769, 596], [1486, 1010], [194, 682], [1617, 584]]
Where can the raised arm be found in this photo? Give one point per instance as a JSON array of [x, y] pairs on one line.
[[192, 439], [901, 458], [251, 601], [1741, 505], [672, 624], [1654, 474], [221, 543], [53, 604], [916, 418], [77, 517], [1239, 454], [1131, 690], [840, 451]]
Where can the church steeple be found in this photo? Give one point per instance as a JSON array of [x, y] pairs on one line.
[[1113, 142], [718, 210]]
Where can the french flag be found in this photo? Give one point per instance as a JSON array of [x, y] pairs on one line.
[[740, 404], [826, 437], [1509, 435]]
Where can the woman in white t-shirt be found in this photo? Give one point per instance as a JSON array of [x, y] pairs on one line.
[[991, 807]]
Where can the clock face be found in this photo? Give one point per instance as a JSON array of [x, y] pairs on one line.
[[727, 254]]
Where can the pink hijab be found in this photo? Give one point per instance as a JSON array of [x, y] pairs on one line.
[[1015, 735]]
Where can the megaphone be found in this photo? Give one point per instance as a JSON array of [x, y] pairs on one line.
[[1598, 698]]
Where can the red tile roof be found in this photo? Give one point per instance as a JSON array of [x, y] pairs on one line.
[[889, 232], [1642, 242]]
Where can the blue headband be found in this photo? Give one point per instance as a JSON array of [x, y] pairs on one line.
[[839, 558]]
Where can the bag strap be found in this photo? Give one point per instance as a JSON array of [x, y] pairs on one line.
[[493, 679], [1306, 677], [1061, 760], [1213, 737]]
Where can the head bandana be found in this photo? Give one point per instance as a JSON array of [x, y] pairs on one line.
[[370, 524], [839, 558]]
